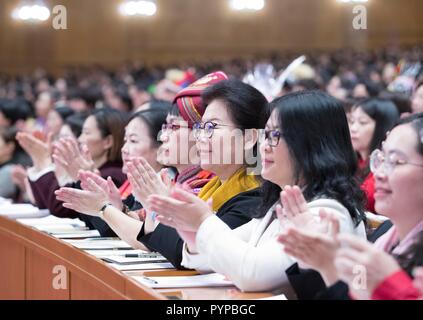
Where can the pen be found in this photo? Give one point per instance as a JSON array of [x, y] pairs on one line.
[[150, 280], [105, 239], [142, 255]]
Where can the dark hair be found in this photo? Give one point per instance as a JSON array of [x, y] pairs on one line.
[[144, 84], [413, 256], [373, 88], [385, 114], [160, 104], [247, 107], [8, 134], [76, 122], [401, 100], [112, 122], [15, 110], [154, 119], [122, 94], [307, 84], [174, 111], [315, 129], [89, 95], [64, 112]]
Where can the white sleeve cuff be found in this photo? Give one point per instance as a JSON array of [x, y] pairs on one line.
[[194, 261], [34, 175], [208, 229]]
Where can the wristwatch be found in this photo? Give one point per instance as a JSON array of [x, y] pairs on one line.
[[101, 213], [126, 209]]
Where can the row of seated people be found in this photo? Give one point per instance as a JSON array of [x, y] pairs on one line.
[[197, 182]]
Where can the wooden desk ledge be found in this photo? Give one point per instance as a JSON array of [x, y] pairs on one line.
[[37, 266]]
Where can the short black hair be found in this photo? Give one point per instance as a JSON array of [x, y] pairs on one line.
[[247, 107], [112, 122], [154, 119], [89, 95], [64, 112], [15, 110], [76, 122], [401, 100], [384, 113]]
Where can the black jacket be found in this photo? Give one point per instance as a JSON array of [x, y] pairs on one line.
[[309, 285], [235, 212]]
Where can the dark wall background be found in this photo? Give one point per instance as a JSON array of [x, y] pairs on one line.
[[195, 30]]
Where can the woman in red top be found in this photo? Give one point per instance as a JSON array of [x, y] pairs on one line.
[[369, 121]]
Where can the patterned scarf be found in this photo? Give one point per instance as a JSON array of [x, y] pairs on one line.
[[195, 178]]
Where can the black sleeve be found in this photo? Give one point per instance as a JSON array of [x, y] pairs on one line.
[[167, 241], [96, 223], [309, 285], [306, 283], [338, 291], [132, 204]]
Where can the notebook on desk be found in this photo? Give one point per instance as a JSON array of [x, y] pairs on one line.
[[143, 258], [76, 234], [51, 221], [142, 266], [206, 280], [99, 244]]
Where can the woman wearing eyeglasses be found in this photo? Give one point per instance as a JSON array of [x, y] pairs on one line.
[[398, 171], [233, 107], [369, 122], [307, 144]]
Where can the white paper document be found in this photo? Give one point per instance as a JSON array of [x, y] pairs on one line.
[[206, 280], [51, 220], [77, 234], [99, 244], [143, 266], [17, 211], [145, 258], [113, 252]]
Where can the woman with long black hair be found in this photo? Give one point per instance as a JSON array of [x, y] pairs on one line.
[[307, 144], [398, 170]]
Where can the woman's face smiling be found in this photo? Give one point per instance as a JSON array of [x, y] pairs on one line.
[[277, 163]]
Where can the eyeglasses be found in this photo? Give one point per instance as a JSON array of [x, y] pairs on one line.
[[273, 137], [379, 160], [207, 127], [166, 127]]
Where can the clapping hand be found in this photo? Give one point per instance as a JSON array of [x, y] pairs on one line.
[[72, 158]]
